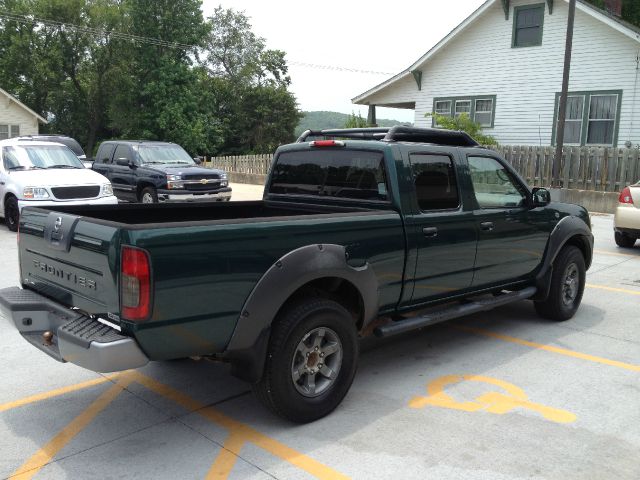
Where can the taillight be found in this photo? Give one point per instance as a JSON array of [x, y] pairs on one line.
[[135, 283], [326, 143], [625, 196]]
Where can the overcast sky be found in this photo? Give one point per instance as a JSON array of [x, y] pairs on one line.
[[371, 35]]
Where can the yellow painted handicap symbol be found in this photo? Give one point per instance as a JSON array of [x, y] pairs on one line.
[[492, 402]]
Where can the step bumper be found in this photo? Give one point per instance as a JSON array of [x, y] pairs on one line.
[[67, 335]]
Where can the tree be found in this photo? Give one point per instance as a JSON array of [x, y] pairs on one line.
[[248, 86], [355, 121], [465, 124], [630, 10]]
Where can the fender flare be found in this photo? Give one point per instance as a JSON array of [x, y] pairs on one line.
[[565, 229], [247, 348]]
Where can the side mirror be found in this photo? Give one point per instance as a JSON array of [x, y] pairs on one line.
[[540, 197], [198, 160]]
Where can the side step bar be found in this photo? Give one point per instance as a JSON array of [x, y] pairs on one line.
[[456, 311]]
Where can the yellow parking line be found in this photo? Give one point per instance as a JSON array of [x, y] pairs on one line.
[[43, 456], [612, 289], [239, 434], [55, 393], [549, 348]]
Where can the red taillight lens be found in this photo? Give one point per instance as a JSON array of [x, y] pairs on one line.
[[135, 284], [625, 196], [326, 143]]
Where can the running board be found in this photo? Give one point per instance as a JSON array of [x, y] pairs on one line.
[[461, 310]]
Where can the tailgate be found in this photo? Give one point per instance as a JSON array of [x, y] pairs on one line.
[[70, 259]]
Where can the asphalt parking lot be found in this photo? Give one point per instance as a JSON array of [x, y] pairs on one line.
[[498, 395]]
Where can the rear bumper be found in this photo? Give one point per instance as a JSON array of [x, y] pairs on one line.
[[67, 335], [172, 196], [110, 200], [626, 217]]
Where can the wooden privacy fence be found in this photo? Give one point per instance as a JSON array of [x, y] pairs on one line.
[[582, 168]]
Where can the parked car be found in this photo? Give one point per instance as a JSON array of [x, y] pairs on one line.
[[68, 141], [626, 222], [152, 172], [46, 174], [384, 230]]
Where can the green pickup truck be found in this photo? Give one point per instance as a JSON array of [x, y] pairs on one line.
[[359, 230]]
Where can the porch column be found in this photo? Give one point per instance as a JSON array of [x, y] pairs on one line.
[[371, 116]]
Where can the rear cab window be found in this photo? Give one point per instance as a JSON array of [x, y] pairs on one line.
[[105, 153], [356, 174]]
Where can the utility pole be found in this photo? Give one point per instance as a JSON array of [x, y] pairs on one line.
[[562, 112]]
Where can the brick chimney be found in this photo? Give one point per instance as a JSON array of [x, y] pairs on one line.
[[614, 7]]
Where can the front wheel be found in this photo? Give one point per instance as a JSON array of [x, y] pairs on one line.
[[311, 360], [567, 286], [149, 195], [12, 214]]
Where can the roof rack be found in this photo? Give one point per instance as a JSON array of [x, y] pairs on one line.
[[399, 133]]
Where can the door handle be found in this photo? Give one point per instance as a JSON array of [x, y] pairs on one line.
[[430, 232], [487, 226]]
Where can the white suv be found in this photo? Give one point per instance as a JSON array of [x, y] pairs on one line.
[[45, 174]]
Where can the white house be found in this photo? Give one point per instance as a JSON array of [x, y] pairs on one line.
[[503, 66], [16, 118]]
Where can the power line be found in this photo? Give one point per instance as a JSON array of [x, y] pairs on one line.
[[158, 42]]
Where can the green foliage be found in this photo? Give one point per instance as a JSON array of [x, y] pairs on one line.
[[465, 124], [630, 10], [221, 90], [355, 121], [322, 120]]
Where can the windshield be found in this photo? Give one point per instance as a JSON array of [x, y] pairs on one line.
[[39, 156], [164, 154]]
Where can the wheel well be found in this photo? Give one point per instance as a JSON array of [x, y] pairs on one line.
[[336, 289], [581, 244]]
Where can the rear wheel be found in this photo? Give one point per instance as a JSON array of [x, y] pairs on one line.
[[567, 286], [623, 240], [12, 213], [148, 195], [311, 361]]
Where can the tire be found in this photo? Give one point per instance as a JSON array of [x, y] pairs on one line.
[[148, 195], [12, 213], [314, 339], [623, 240], [567, 286]]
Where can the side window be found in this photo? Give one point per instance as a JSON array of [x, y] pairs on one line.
[[122, 151], [435, 181], [494, 186], [105, 153]]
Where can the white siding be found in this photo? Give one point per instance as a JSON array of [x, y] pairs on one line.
[[13, 114], [481, 61]]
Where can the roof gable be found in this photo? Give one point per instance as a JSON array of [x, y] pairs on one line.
[[22, 105], [617, 24]]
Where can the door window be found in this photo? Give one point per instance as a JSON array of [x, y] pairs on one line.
[[435, 181], [122, 151], [494, 185], [106, 152]]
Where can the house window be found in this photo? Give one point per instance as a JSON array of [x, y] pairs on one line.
[[483, 112], [527, 25], [481, 109], [463, 106], [9, 131], [592, 118]]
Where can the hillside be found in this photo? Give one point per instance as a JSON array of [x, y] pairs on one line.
[[320, 120]]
